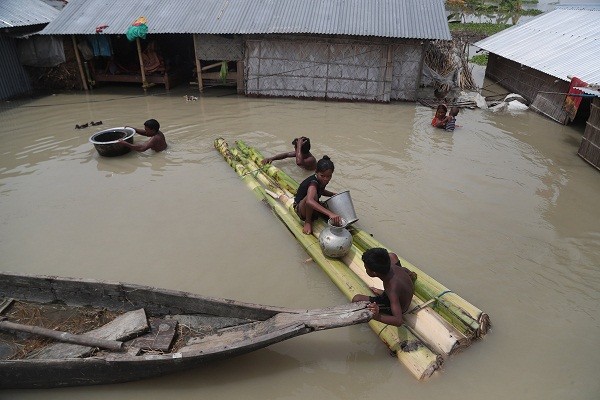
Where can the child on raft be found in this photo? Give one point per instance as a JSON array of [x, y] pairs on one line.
[[388, 305], [306, 202]]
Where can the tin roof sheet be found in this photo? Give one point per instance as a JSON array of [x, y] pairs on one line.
[[16, 13], [561, 43], [415, 19]]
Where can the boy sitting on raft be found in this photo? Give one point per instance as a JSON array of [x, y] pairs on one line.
[[398, 285]]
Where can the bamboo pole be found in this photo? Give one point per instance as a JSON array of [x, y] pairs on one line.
[[467, 318], [142, 71], [410, 351]]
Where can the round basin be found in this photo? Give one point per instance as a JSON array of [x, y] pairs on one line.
[[107, 143]]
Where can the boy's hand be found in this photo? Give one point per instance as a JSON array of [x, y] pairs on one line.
[[374, 308]]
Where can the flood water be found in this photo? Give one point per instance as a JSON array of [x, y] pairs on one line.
[[502, 211]]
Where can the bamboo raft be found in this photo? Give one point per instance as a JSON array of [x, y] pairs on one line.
[[440, 322]]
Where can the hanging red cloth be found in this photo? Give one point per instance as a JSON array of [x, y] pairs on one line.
[[572, 102]]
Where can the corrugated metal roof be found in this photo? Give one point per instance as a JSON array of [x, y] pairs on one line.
[[587, 90], [14, 13], [561, 43], [416, 19]]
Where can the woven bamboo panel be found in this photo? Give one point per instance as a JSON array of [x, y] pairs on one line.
[[590, 143], [406, 71], [594, 117], [531, 84], [317, 69], [212, 47]]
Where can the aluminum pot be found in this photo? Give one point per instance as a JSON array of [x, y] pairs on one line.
[[107, 143], [342, 205], [335, 240]]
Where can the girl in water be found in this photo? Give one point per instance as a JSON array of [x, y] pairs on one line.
[[306, 202]]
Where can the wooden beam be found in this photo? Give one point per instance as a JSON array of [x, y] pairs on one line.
[[198, 67], [81, 74]]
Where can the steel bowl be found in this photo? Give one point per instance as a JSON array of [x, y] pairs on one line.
[[107, 143]]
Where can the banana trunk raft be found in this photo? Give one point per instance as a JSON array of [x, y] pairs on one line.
[[439, 323]]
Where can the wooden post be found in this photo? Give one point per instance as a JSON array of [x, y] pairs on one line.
[[81, 74], [198, 65], [139, 49], [240, 77]]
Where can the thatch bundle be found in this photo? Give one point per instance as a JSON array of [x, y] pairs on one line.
[[447, 57], [59, 317]]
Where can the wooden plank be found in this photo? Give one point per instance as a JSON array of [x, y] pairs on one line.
[[160, 337], [6, 301], [123, 327]]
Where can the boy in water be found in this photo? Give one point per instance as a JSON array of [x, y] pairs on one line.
[[304, 158], [398, 285], [151, 129], [450, 120]]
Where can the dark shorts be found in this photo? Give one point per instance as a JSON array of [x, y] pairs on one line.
[[383, 301], [315, 215]]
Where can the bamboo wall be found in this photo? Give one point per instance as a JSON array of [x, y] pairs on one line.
[[213, 47], [322, 68], [529, 83], [590, 143]]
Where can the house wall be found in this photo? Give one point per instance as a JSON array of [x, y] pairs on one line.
[[332, 68], [14, 81], [589, 149], [213, 47], [531, 84]]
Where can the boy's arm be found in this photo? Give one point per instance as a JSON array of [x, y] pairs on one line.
[[137, 130], [139, 147], [298, 151], [279, 156]]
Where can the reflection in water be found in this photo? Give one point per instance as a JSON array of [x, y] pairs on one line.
[[501, 211]]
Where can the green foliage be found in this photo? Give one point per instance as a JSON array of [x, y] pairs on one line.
[[498, 10], [479, 59], [486, 29]]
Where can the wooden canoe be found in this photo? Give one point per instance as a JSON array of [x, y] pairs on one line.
[[161, 331]]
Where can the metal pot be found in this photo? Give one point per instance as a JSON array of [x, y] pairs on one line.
[[107, 143], [335, 240], [342, 205]]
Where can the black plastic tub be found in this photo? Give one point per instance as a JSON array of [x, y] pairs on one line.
[[107, 143]]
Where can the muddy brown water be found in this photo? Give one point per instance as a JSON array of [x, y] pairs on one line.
[[502, 211]]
